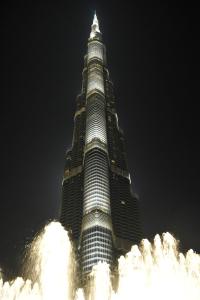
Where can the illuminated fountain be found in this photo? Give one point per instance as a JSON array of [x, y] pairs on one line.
[[152, 271], [50, 267]]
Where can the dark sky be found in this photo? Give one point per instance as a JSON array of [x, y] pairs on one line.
[[153, 58]]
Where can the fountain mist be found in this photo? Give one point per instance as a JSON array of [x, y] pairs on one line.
[[152, 271]]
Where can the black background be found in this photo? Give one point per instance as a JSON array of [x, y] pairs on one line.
[[153, 58]]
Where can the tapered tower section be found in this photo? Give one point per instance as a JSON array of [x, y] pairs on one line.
[[98, 206]]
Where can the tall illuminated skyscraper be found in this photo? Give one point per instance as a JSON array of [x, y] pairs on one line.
[[98, 205]]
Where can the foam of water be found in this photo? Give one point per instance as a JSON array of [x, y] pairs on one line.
[[152, 271]]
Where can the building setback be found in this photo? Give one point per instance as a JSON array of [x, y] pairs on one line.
[[99, 207]]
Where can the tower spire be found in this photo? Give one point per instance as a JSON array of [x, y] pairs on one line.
[[95, 26]]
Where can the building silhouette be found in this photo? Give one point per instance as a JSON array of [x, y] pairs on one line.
[[99, 207]]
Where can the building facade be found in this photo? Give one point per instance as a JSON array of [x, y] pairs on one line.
[[99, 207]]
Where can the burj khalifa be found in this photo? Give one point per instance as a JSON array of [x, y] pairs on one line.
[[99, 206]]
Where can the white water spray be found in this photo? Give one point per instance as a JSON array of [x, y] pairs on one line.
[[152, 271]]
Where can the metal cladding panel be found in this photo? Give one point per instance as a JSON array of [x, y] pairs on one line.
[[72, 204], [96, 182], [95, 61], [116, 142], [96, 246], [95, 119], [125, 210], [96, 237], [97, 218], [78, 140], [95, 50], [95, 81]]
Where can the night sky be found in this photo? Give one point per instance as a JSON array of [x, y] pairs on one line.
[[153, 59]]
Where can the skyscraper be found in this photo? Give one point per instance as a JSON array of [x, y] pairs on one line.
[[98, 204]]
